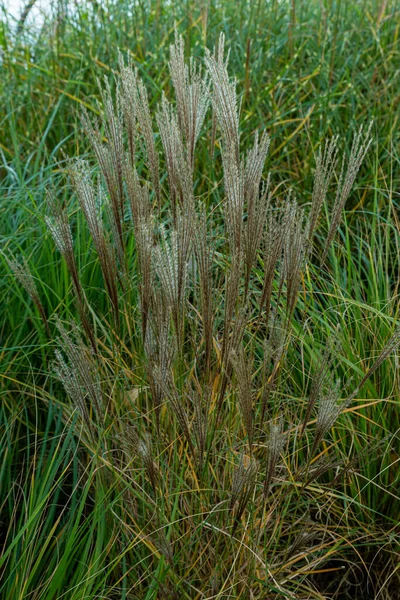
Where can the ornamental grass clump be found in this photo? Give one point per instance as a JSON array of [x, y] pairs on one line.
[[181, 390]]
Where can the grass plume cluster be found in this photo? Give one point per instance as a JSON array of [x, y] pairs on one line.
[[206, 392]]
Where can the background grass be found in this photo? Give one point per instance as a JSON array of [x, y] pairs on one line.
[[307, 71]]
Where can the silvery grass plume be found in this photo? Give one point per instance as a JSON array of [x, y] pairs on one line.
[[325, 361], [234, 323], [110, 157], [143, 226], [361, 143], [139, 444], [218, 55], [58, 225], [243, 482], [180, 178], [234, 203], [79, 375], [21, 270], [146, 128], [295, 250], [173, 150], [324, 171], [171, 258], [113, 154], [257, 199], [192, 93], [91, 204], [144, 250], [139, 197], [275, 445], [127, 93], [329, 410], [311, 471], [224, 98], [238, 176], [204, 259], [231, 343], [276, 226], [136, 109], [76, 393], [232, 304]]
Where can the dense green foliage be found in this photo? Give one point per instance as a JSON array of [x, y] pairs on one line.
[[74, 520]]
